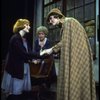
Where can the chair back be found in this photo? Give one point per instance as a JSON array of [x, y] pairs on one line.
[[42, 69]]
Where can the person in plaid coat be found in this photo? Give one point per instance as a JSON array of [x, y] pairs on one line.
[[75, 77]]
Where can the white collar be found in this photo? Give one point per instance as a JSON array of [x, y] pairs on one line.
[[22, 33], [42, 43]]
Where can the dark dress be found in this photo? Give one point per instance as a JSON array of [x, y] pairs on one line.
[[47, 45]]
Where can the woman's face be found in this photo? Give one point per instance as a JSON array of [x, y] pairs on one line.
[[53, 20], [27, 28], [41, 36]]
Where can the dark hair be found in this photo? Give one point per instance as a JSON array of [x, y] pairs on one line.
[[55, 16]]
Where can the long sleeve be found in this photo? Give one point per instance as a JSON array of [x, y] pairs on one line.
[[17, 46], [57, 47]]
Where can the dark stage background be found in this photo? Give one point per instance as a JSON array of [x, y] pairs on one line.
[[11, 10]]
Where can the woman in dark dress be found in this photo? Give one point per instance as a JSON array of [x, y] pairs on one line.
[[42, 43], [75, 79]]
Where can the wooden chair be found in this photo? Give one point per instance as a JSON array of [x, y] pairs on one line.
[[41, 71]]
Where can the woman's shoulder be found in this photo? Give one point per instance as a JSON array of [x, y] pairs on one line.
[[47, 40], [36, 40], [15, 37], [70, 19]]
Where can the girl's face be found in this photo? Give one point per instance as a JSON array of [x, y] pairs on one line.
[[41, 36], [53, 20], [27, 28]]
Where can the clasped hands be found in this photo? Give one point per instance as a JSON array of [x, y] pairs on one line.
[[46, 51]]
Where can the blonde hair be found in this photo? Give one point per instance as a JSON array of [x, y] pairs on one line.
[[19, 24], [42, 29]]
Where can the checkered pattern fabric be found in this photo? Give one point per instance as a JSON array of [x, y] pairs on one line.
[[75, 77]]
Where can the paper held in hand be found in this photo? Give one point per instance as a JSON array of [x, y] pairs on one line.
[[46, 51], [42, 52]]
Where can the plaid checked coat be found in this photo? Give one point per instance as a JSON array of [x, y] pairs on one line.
[[75, 79]]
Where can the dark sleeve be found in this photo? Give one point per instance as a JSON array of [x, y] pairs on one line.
[[20, 50], [47, 45], [36, 47]]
